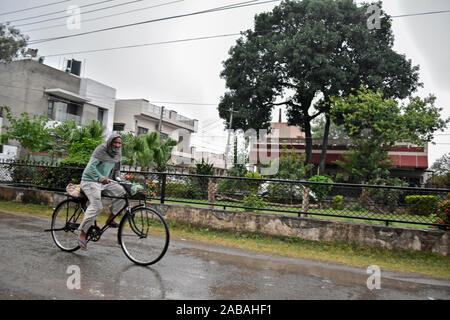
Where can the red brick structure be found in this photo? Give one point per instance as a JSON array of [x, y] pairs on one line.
[[409, 161]]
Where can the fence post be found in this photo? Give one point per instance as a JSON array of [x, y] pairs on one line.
[[211, 191], [305, 201], [163, 187]]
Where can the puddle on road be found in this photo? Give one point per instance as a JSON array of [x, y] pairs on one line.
[[335, 274]]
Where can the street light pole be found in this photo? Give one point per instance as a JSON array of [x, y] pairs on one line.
[[228, 140]]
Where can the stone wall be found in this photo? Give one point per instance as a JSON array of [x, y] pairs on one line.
[[369, 235]]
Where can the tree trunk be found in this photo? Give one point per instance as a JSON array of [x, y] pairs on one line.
[[323, 155], [308, 141]]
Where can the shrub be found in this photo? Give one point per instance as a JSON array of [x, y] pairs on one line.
[[337, 202], [383, 198], [320, 190], [53, 177], [444, 212], [283, 193], [253, 185], [252, 200], [199, 185], [176, 190], [422, 205]]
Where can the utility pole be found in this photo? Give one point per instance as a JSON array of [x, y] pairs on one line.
[[228, 140], [160, 121]]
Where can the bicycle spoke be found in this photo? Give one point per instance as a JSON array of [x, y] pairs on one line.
[[144, 236], [65, 222]]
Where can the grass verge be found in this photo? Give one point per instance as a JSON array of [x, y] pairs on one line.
[[411, 261]]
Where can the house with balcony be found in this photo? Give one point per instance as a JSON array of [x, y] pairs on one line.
[[38, 89], [33, 87], [139, 116]]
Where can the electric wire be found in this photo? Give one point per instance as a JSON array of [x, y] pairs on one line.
[[104, 17], [217, 9], [144, 45], [52, 13], [36, 7], [69, 15]]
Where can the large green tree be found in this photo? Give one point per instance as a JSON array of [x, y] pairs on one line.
[[442, 165], [304, 52], [13, 43], [375, 124]]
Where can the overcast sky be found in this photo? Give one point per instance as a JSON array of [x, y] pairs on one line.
[[184, 76]]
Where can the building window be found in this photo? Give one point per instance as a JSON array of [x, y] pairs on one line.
[[142, 131], [118, 127], [101, 115], [64, 111], [164, 136]]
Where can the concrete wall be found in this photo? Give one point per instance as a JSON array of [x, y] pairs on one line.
[[436, 241], [26, 81], [101, 96], [125, 110]]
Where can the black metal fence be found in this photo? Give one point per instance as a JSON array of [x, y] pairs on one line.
[[390, 205]]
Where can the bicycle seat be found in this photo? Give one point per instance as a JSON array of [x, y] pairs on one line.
[[83, 195]]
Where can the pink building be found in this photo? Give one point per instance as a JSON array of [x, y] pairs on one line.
[[409, 161]]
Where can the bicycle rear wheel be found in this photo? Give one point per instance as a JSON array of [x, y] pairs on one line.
[[65, 222], [144, 236]]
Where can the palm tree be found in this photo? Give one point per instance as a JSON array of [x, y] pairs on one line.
[[82, 141], [145, 146], [129, 147], [147, 151], [93, 130], [162, 153]]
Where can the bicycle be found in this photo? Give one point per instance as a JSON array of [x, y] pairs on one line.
[[143, 233]]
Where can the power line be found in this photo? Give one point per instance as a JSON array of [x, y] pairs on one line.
[[190, 103], [420, 14], [204, 130], [91, 95], [67, 16], [107, 16], [55, 12], [232, 6], [145, 45], [222, 8], [31, 8]]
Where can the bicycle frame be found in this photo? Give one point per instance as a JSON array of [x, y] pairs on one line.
[[127, 208]]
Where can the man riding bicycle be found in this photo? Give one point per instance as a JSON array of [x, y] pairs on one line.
[[103, 164]]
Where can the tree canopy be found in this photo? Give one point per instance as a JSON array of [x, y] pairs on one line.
[[304, 52], [13, 43], [375, 124]]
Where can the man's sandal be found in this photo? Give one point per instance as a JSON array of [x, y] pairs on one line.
[[82, 244]]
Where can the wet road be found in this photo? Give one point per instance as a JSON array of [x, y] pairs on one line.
[[32, 267]]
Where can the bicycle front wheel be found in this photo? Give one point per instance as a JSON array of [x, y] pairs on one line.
[[144, 236], [65, 222]]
